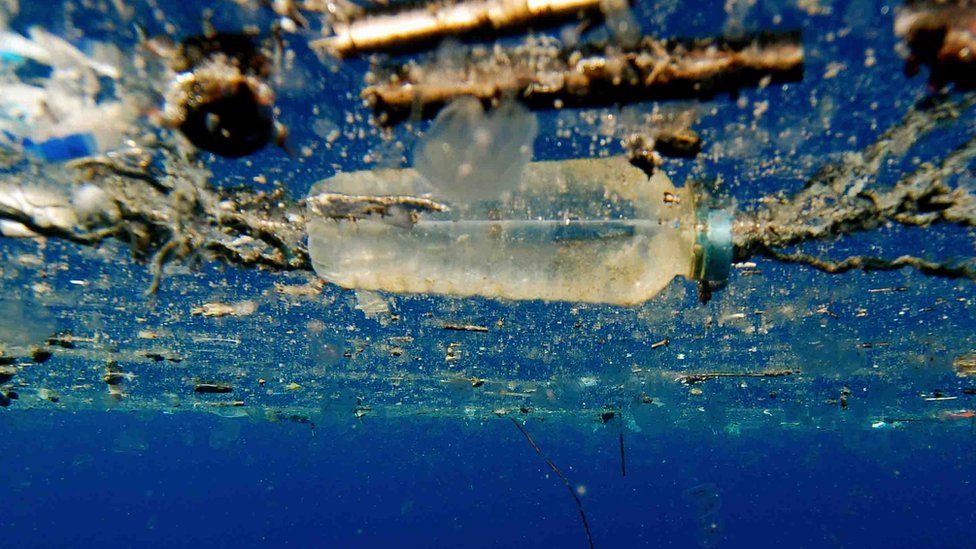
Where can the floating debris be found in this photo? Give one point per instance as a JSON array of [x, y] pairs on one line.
[[941, 35], [157, 356], [206, 339], [937, 396], [278, 415], [646, 148], [218, 388], [341, 206], [965, 365], [469, 154], [560, 475], [311, 289], [218, 310], [830, 205], [66, 110], [32, 210], [662, 343], [845, 393], [48, 395], [7, 373], [463, 327], [361, 410], [543, 73], [40, 355], [424, 23], [692, 379], [623, 453], [453, 351], [174, 207], [114, 376], [542, 242], [887, 290], [373, 305], [955, 415], [220, 97], [64, 340]]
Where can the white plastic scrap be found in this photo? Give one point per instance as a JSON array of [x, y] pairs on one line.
[[47, 207], [14, 44], [60, 118], [64, 56]]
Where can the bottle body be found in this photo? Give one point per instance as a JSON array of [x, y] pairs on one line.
[[590, 230]]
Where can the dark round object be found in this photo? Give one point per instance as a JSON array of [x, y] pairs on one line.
[[232, 125]]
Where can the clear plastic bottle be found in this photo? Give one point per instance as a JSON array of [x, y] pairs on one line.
[[589, 230]]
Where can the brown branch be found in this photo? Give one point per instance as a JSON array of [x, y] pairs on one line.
[[424, 23], [542, 73]]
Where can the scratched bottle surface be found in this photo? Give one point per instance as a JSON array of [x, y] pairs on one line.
[[588, 230]]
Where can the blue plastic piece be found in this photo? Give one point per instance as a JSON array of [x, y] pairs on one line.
[[11, 57], [59, 149]]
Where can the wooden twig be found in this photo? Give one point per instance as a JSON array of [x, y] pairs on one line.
[[691, 379], [545, 74], [424, 23]]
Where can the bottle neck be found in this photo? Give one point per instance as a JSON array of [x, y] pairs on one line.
[[713, 245]]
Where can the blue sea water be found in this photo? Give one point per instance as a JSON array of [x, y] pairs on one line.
[[119, 480], [105, 477]]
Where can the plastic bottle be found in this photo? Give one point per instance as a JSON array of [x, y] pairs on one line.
[[588, 230]]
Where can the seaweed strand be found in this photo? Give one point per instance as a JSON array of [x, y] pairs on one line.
[[569, 486]]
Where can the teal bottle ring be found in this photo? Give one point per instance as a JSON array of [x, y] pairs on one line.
[[714, 242]]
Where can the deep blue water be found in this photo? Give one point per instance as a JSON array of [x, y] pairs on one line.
[[115, 480]]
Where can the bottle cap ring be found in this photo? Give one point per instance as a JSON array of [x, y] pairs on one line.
[[715, 239]]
